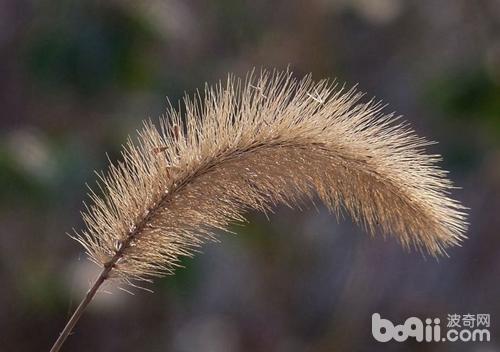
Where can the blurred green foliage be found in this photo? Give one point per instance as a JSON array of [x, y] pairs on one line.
[[40, 291], [18, 185], [92, 48], [470, 95]]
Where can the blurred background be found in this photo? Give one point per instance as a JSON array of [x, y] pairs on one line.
[[77, 77]]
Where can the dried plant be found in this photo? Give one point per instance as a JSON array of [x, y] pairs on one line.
[[252, 144]]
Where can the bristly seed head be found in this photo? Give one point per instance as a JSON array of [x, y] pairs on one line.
[[252, 144]]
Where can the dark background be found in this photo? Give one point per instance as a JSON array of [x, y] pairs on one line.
[[77, 77]]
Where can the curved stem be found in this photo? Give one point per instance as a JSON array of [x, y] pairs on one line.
[[81, 308], [105, 272], [100, 279]]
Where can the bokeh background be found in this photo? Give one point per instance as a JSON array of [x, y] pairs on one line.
[[77, 77]]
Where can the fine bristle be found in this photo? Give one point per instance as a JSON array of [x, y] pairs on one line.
[[253, 144]]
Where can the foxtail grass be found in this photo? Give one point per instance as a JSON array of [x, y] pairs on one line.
[[252, 144]]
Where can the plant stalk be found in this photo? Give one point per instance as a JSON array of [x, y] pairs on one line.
[[81, 308]]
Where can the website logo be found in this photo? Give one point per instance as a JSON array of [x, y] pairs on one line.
[[459, 328]]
